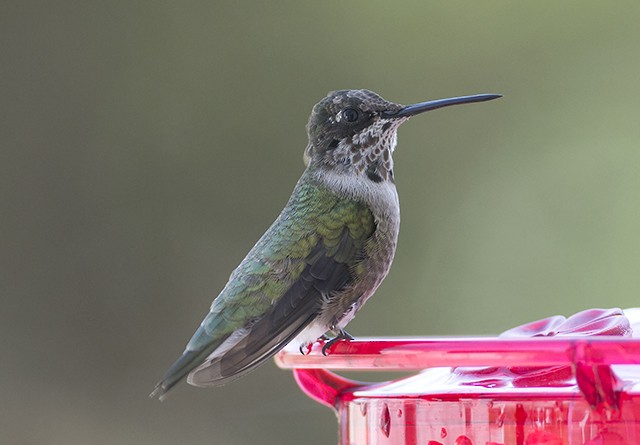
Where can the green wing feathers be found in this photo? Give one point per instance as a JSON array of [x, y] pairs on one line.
[[311, 250]]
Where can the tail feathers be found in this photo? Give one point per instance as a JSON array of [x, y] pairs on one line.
[[187, 361], [212, 374], [245, 350], [232, 364]]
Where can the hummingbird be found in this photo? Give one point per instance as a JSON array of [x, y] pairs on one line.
[[325, 254]]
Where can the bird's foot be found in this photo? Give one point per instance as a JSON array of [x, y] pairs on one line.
[[305, 348], [342, 335]]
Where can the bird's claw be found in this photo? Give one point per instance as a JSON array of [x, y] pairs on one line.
[[305, 348], [342, 335]]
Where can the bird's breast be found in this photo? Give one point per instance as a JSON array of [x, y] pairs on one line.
[[381, 199]]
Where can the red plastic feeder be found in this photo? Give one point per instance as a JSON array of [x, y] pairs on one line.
[[556, 381]]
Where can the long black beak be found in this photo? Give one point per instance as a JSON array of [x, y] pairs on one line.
[[411, 110]]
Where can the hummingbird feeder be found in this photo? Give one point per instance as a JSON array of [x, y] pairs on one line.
[[557, 381]]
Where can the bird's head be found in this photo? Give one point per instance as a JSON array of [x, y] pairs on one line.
[[355, 131]]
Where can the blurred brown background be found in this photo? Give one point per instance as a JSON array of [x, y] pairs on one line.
[[145, 146]]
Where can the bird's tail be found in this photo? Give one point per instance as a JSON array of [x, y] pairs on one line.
[[187, 362], [199, 348]]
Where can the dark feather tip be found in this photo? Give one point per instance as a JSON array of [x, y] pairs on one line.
[[159, 391]]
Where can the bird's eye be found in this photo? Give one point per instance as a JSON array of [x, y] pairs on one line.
[[350, 114]]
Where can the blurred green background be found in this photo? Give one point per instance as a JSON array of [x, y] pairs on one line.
[[145, 146]]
